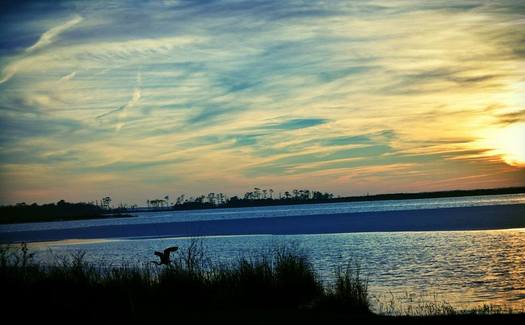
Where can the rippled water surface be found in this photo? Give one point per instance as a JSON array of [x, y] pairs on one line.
[[466, 268]]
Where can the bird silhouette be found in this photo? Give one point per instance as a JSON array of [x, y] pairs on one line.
[[165, 256]]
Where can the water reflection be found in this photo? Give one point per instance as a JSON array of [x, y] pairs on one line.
[[466, 268]]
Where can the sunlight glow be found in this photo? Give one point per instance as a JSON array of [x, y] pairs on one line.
[[509, 143]]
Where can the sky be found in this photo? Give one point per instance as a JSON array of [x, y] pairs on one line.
[[142, 99]]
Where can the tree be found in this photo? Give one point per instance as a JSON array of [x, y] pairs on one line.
[[257, 192], [248, 196], [180, 200], [220, 198], [106, 202], [211, 198]]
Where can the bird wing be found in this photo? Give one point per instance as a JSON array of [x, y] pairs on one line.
[[159, 254], [171, 249]]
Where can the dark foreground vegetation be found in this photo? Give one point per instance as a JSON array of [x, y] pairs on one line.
[[277, 287], [281, 282]]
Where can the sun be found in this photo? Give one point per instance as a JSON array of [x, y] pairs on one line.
[[509, 143]]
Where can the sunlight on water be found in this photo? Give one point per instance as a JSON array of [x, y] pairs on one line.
[[464, 268]]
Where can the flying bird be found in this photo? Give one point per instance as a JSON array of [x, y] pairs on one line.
[[165, 256]]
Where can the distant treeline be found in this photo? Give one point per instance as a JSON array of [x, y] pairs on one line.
[[431, 195], [62, 210], [22, 212], [258, 197], [264, 197]]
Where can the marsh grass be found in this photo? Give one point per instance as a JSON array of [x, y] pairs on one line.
[[280, 280], [349, 292], [433, 306]]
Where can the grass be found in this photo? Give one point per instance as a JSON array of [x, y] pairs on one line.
[[281, 282], [279, 286], [428, 307]]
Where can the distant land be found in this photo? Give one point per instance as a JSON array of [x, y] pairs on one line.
[[318, 197], [435, 219], [63, 211], [431, 195], [60, 211]]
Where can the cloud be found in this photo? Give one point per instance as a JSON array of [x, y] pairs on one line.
[[49, 36], [295, 124], [511, 117], [123, 110], [68, 77], [8, 72], [128, 166], [110, 55], [264, 92], [45, 39], [135, 97]]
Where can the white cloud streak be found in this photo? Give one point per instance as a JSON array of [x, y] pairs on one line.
[[45, 39], [49, 36], [123, 110], [68, 77]]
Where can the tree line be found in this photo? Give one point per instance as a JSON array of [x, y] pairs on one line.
[[257, 197], [266, 197], [62, 210]]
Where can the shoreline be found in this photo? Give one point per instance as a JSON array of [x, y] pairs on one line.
[[437, 219], [349, 199]]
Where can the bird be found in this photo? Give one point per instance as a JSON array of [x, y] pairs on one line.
[[165, 256]]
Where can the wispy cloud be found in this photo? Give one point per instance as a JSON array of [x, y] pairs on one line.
[[68, 77], [45, 39], [234, 94], [123, 110], [8, 72], [49, 36]]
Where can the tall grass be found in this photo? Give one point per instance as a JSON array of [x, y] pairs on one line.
[[350, 291], [281, 280], [425, 306]]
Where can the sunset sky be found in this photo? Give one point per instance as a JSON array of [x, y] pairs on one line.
[[142, 99]]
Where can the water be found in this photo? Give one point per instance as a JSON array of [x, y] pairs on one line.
[[463, 268], [276, 211]]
